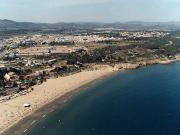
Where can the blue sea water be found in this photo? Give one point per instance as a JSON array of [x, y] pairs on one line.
[[145, 101]]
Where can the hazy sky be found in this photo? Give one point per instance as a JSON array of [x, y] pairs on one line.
[[90, 10]]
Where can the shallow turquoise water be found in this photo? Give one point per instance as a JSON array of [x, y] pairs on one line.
[[139, 102]]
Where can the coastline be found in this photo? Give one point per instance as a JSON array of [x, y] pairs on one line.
[[12, 112]]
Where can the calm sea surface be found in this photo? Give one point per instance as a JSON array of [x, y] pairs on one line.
[[139, 102]]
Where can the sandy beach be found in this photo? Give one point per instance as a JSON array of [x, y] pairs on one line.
[[12, 111]]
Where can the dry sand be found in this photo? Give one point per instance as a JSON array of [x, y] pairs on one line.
[[13, 111]]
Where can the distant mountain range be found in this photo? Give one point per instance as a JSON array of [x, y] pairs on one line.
[[6, 25]]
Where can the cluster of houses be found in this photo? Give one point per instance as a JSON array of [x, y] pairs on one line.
[[13, 80], [136, 35], [60, 39], [52, 39]]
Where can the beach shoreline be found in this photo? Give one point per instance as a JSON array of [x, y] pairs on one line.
[[30, 121], [12, 112]]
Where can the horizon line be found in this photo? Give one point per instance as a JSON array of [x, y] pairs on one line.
[[91, 21]]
